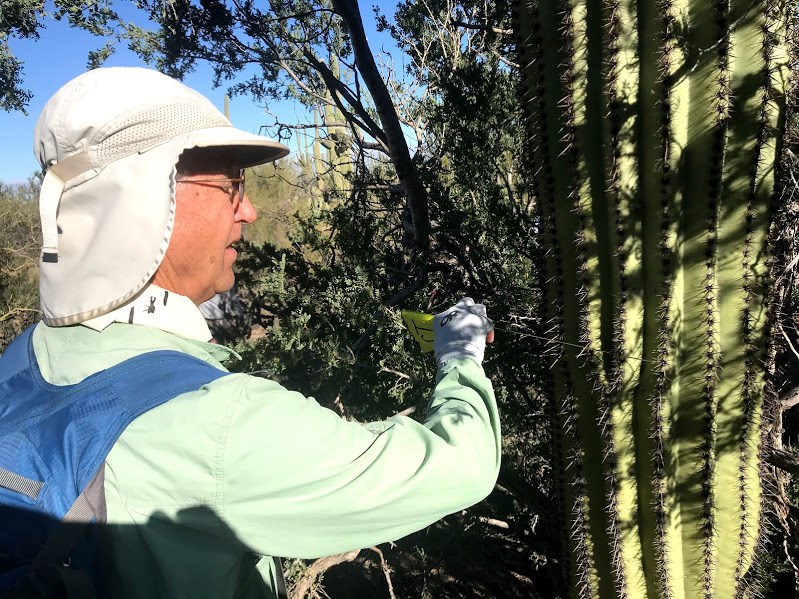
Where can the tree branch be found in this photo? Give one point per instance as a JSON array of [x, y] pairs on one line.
[[398, 148], [791, 400], [317, 569], [14, 311], [783, 459], [339, 90], [481, 27], [386, 572]]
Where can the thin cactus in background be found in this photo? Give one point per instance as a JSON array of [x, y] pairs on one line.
[[338, 141], [317, 146]]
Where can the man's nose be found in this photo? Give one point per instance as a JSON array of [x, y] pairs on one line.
[[246, 211]]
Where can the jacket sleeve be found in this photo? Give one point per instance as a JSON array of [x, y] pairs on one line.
[[299, 481]]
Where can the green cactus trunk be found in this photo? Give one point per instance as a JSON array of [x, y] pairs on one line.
[[654, 134], [338, 142]]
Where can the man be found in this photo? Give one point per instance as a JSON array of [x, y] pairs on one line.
[[141, 206]]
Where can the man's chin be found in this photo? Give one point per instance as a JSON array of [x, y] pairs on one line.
[[226, 284]]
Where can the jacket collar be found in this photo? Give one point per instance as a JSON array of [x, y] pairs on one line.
[[161, 309]]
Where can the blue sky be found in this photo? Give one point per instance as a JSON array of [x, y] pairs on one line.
[[60, 54]]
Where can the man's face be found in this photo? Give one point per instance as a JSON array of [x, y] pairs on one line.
[[199, 260]]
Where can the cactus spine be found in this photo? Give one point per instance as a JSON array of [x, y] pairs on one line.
[[654, 130]]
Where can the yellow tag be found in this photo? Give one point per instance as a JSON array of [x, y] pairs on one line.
[[421, 327]]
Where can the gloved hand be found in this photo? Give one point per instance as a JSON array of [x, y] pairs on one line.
[[461, 331]]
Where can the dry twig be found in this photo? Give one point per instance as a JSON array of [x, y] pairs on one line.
[[316, 570], [386, 571]]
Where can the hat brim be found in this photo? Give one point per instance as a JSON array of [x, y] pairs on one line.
[[242, 148]]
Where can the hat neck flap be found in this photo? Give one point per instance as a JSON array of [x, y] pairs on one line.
[[53, 185]]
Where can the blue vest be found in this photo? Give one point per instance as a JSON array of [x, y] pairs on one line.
[[54, 439]]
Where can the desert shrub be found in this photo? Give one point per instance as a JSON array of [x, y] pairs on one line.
[[19, 251]]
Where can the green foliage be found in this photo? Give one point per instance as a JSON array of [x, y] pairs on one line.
[[272, 34], [24, 19], [20, 17], [12, 96], [313, 313], [17, 18], [19, 255]]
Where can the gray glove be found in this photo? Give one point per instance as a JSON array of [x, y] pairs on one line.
[[461, 331]]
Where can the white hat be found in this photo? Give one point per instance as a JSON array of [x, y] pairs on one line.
[[110, 140]]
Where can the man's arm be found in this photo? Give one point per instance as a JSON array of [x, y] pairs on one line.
[[297, 480]]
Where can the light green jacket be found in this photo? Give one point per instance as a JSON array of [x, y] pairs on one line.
[[201, 487]]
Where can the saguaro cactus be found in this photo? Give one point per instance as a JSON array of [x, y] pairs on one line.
[[338, 141], [654, 133]]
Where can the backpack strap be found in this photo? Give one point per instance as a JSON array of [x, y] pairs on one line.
[[163, 374], [48, 572], [90, 505]]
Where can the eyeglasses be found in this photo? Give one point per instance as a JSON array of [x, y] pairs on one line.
[[236, 191]]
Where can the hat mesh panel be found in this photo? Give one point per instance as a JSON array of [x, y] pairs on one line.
[[140, 130]]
